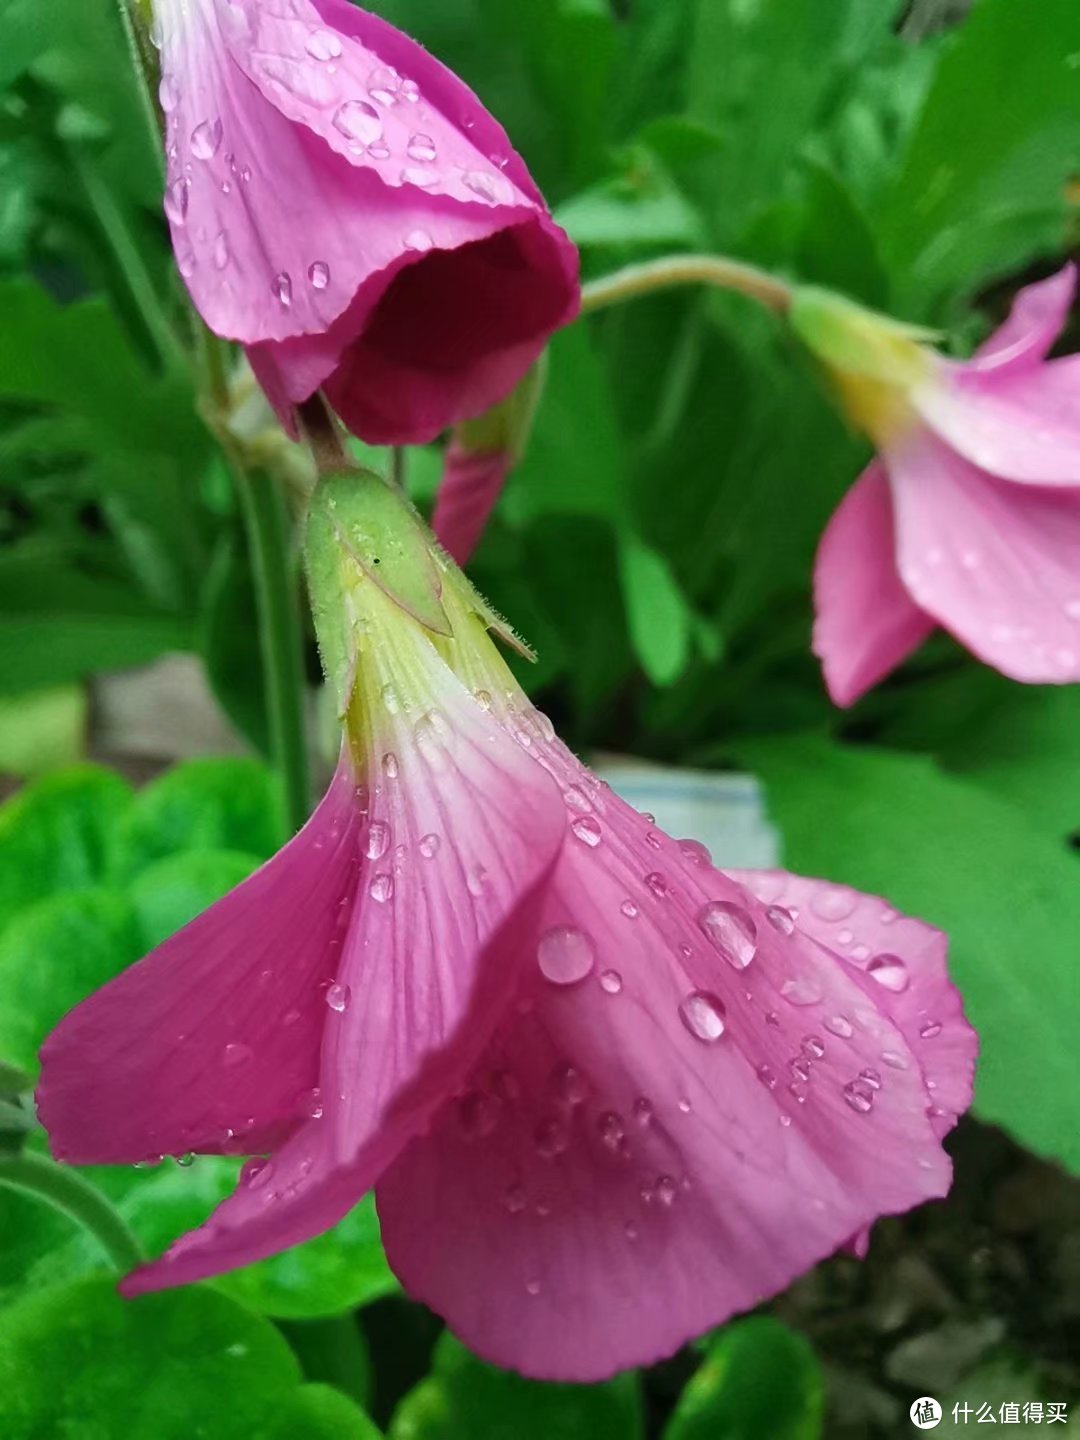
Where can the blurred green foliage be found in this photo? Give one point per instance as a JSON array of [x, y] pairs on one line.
[[655, 544]]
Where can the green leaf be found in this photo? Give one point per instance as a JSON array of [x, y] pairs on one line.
[[42, 730], [202, 805], [78, 1360], [228, 641], [53, 955], [758, 1379], [659, 617], [980, 869], [170, 892], [55, 836], [464, 1399], [997, 138]]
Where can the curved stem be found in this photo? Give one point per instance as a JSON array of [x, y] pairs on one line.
[[676, 270], [277, 601], [66, 1190]]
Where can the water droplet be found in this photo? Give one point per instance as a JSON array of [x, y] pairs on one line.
[[587, 830], [186, 1161], [813, 1047], [176, 201], [420, 177], [168, 93], [643, 1110], [565, 955], [890, 972], [569, 1084], [703, 1015], [476, 880], [410, 91], [319, 275], [858, 1096], [653, 838], [245, 174], [532, 1287], [482, 185], [384, 85], [930, 1030], [323, 45], [185, 263], [282, 289], [311, 1104], [785, 1120], [431, 732], [576, 799], [338, 997], [381, 888], [894, 1059], [611, 1130], [254, 1173], [804, 991], [611, 982], [429, 846], [840, 1025], [359, 121], [684, 1106], [871, 1078], [833, 902], [483, 699], [780, 919], [477, 1115], [221, 250], [421, 147], [237, 1054], [800, 1069], [378, 839], [379, 151], [695, 852], [551, 1138], [732, 930], [515, 1199], [421, 241], [630, 1230], [657, 884], [666, 1190], [206, 139], [766, 1076], [629, 909]]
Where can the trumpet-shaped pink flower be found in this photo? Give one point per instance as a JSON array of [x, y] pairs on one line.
[[472, 481], [970, 517], [344, 206], [607, 1094]]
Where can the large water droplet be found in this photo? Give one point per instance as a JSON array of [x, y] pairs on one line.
[[338, 997], [381, 888], [889, 971], [282, 289], [565, 955], [206, 139], [319, 275], [176, 201], [833, 902], [359, 121], [384, 85], [587, 830], [804, 991], [421, 147], [732, 930], [860, 1097], [703, 1014], [323, 45], [378, 839], [695, 852]]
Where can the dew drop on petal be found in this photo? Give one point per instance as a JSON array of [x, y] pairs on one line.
[[186, 1161], [319, 275], [629, 909], [282, 289], [766, 1076], [532, 1287], [514, 1199], [569, 1084], [703, 1014], [587, 830], [930, 1030], [378, 840], [812, 1047], [381, 888], [839, 1025], [421, 147], [323, 45], [665, 1190], [429, 846], [390, 765], [168, 93], [236, 1054], [421, 241], [695, 852], [176, 201], [890, 972], [833, 902], [780, 919], [643, 1110], [206, 139], [357, 120], [658, 884], [254, 1173], [551, 1138], [338, 997], [221, 250], [565, 955], [804, 991], [384, 85], [576, 799], [895, 1059], [611, 1130], [859, 1097], [732, 930], [611, 982], [476, 880]]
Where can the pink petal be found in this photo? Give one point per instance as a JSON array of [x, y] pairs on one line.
[[865, 621], [1037, 318], [462, 831], [296, 237], [209, 1042], [997, 564], [472, 481], [669, 1139]]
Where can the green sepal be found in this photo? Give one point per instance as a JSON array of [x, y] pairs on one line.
[[849, 338], [361, 530]]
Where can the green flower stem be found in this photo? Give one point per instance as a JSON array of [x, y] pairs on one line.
[[676, 270], [277, 598], [135, 17], [66, 1190]]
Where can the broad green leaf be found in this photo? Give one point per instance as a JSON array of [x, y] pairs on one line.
[[170, 892], [758, 1379], [42, 730], [202, 805], [54, 954], [464, 1399], [641, 208], [997, 138], [55, 835], [660, 619], [976, 866], [78, 1360], [228, 641]]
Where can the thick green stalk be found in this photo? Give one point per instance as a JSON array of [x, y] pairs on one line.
[[66, 1190], [677, 270], [277, 601]]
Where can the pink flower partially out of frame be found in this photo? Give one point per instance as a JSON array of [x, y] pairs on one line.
[[607, 1095], [970, 516], [344, 206]]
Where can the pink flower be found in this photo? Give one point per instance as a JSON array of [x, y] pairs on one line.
[[472, 481], [345, 207], [970, 517], [607, 1095]]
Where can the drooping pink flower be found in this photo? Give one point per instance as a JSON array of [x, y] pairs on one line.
[[344, 206], [970, 516], [472, 481], [607, 1095]]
